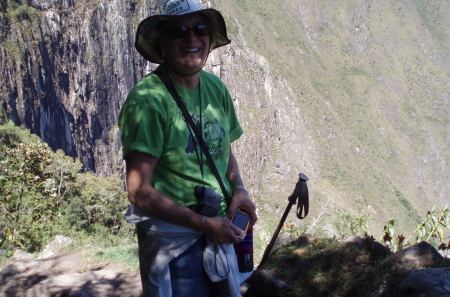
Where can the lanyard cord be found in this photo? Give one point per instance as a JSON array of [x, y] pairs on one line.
[[194, 139], [198, 142]]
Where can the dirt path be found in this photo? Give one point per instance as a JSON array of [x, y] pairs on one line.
[[66, 275]]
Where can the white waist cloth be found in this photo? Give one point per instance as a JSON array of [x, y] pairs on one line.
[[167, 241]]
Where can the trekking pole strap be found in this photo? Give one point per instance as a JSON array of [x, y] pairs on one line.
[[301, 194]]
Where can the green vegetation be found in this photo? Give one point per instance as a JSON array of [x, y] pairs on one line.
[[431, 229], [22, 12], [43, 194], [324, 268], [126, 255], [430, 13], [25, 20]]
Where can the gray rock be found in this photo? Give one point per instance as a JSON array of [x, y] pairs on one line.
[[48, 4], [358, 241], [90, 283], [21, 255], [444, 254], [51, 248], [420, 255], [375, 250], [41, 4], [264, 284], [426, 283], [283, 240], [16, 268]]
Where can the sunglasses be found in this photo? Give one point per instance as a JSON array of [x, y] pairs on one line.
[[199, 30]]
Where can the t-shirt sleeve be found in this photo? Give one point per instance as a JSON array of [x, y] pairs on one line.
[[141, 130], [236, 132]]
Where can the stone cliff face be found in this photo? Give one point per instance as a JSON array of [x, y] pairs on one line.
[[67, 67]]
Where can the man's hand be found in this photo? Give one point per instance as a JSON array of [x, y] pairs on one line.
[[221, 230], [240, 197], [242, 201]]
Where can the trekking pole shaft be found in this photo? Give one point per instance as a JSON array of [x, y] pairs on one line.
[[275, 235]]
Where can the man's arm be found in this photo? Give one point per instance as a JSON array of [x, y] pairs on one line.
[[240, 198], [141, 193]]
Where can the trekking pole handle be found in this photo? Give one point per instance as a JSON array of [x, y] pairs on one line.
[[302, 178]]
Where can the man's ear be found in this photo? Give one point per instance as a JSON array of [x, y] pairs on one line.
[[161, 48], [162, 44]]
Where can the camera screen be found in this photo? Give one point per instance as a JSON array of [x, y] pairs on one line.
[[240, 219]]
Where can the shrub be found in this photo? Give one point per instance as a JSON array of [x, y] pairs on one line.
[[42, 192]]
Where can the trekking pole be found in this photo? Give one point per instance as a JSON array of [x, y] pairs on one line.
[[300, 193]]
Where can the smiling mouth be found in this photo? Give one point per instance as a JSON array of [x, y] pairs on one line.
[[191, 50]]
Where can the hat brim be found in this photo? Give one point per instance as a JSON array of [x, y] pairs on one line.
[[146, 46]]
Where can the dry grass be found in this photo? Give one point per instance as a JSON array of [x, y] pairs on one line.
[[329, 267]]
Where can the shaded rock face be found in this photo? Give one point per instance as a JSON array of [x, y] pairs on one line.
[[46, 4], [76, 63], [426, 283]]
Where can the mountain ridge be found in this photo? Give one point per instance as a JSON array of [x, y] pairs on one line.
[[387, 73]]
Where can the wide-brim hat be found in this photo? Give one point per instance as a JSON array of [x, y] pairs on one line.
[[166, 10]]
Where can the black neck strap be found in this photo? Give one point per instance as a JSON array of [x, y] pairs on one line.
[[171, 88]]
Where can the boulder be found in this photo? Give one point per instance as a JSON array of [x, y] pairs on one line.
[[264, 284], [52, 247], [47, 4], [420, 255], [283, 240], [41, 4], [426, 283], [375, 250]]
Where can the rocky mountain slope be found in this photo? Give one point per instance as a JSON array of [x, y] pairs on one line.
[[353, 94]]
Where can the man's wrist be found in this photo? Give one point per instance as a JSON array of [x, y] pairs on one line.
[[202, 223], [241, 188]]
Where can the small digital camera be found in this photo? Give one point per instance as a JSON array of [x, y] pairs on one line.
[[208, 201], [241, 220]]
